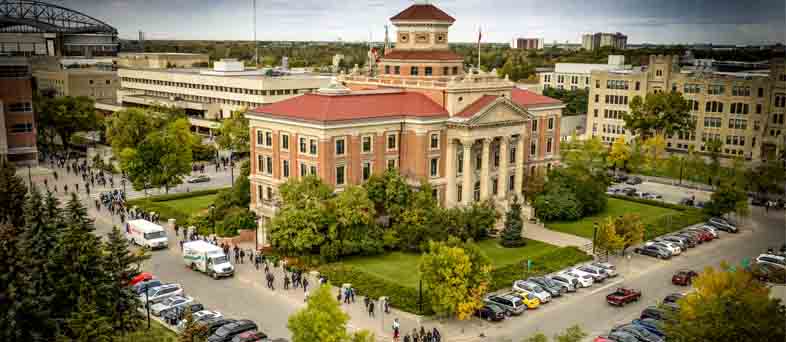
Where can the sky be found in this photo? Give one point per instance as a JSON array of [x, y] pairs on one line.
[[643, 21]]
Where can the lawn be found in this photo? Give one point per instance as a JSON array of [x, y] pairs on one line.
[[616, 207], [402, 268], [177, 206], [157, 333], [191, 204]]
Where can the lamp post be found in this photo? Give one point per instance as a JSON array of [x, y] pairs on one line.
[[211, 212], [594, 235], [29, 176]]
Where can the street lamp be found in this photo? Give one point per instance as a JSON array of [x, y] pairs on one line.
[[211, 212], [594, 235]]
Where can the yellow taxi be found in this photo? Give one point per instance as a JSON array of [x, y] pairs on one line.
[[529, 299]]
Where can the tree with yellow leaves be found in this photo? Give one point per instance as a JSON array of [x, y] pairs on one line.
[[619, 154], [630, 230], [728, 305], [457, 276], [323, 320], [607, 240], [654, 149]]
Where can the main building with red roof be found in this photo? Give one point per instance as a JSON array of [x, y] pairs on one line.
[[472, 134]]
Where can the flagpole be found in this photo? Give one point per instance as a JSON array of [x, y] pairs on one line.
[[479, 37]]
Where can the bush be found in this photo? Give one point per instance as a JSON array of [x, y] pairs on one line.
[[557, 205], [503, 277], [402, 297]]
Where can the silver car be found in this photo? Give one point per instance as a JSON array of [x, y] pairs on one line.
[[598, 275], [565, 281], [169, 304], [532, 288], [610, 269]]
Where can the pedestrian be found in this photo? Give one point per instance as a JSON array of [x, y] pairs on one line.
[[267, 268], [286, 282], [55, 174], [176, 229], [415, 337], [55, 188], [338, 296], [256, 261], [346, 296], [406, 338], [77, 187], [272, 281], [242, 255], [305, 284], [437, 336], [422, 333], [396, 327], [352, 294], [250, 255], [305, 297], [386, 306], [371, 309], [181, 245], [365, 302], [65, 188]]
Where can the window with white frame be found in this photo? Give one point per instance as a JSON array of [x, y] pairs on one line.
[[285, 168], [312, 146], [392, 141], [260, 137], [434, 167], [269, 165], [341, 175], [303, 170], [366, 144], [434, 141], [313, 169], [533, 148], [392, 164], [341, 146], [260, 193], [285, 141], [303, 145], [260, 163], [534, 125], [366, 170], [548, 144], [551, 123], [268, 139]]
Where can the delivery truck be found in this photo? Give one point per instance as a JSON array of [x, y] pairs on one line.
[[147, 234], [207, 258]]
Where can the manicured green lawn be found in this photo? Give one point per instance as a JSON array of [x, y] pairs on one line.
[[191, 204], [179, 209], [616, 207], [157, 333], [402, 268]]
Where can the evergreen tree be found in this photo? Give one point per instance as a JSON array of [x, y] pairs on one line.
[[86, 324], [511, 235], [9, 235], [12, 195], [120, 265]]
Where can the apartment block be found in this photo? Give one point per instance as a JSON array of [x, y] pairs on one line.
[[744, 110], [96, 84], [527, 43], [598, 40], [17, 119]]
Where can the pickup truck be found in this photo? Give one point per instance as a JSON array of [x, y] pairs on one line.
[[623, 296]]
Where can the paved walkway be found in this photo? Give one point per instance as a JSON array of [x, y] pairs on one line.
[[539, 232]]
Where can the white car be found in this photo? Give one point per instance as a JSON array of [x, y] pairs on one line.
[[169, 304], [570, 283], [610, 269], [205, 315], [596, 278], [673, 248], [774, 260], [585, 280], [533, 289]]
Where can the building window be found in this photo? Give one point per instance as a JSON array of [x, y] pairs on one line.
[[512, 154], [551, 123], [365, 144], [434, 141], [340, 174], [269, 192], [268, 139], [340, 146], [533, 148], [638, 85], [428, 71], [260, 193], [741, 91], [312, 146], [303, 145], [260, 164], [534, 125], [494, 186], [715, 89], [739, 108], [366, 170], [597, 84], [434, 167], [269, 165], [392, 142], [285, 142], [713, 107], [761, 92], [313, 170], [597, 98], [460, 162], [758, 108], [285, 168], [303, 170], [445, 70], [392, 164], [548, 145], [413, 71], [692, 88], [455, 70], [659, 72], [397, 70], [596, 112], [458, 193], [25, 127], [387, 69]]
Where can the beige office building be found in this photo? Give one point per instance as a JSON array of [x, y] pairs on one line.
[[96, 84], [744, 110], [574, 76], [161, 60]]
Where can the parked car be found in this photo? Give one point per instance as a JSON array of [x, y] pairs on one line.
[[641, 333], [653, 251], [509, 301], [708, 229], [598, 274], [722, 224], [250, 336], [758, 201], [198, 179], [141, 277], [554, 289], [675, 240], [684, 277], [687, 201], [529, 300], [768, 273], [139, 288], [213, 324], [629, 191], [620, 178], [672, 249], [621, 336], [535, 289], [634, 180], [567, 282], [702, 234], [228, 331], [174, 316], [770, 259], [611, 270], [491, 312], [622, 296], [650, 196], [653, 312], [158, 294], [694, 240], [169, 304], [602, 339], [584, 280], [673, 298], [651, 325], [202, 315]]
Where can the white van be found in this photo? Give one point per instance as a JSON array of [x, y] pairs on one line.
[[146, 234], [207, 258]]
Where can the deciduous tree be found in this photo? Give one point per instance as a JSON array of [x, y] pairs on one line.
[[322, 320], [162, 159], [235, 133], [619, 154], [66, 115], [607, 240], [664, 113], [127, 128], [726, 199], [630, 229]]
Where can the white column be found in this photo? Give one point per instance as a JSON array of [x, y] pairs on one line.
[[450, 173], [484, 169], [467, 187], [519, 165], [502, 175]]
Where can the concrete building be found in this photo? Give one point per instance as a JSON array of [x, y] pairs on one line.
[[208, 95], [577, 75], [527, 43], [98, 85], [162, 60], [472, 135], [744, 110], [598, 40], [17, 119], [34, 28], [572, 126]]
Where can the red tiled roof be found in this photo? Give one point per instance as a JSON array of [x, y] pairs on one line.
[[441, 55], [332, 108], [526, 98], [423, 12], [476, 106]]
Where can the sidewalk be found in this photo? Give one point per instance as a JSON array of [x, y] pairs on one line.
[[541, 233]]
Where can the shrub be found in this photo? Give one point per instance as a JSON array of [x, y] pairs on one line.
[[234, 221], [401, 297], [558, 204], [503, 277]]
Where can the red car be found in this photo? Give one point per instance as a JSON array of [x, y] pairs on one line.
[[623, 296], [684, 277], [144, 276], [602, 339]]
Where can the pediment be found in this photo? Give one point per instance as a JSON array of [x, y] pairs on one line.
[[499, 111]]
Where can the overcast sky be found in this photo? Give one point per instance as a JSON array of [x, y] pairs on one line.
[[651, 21]]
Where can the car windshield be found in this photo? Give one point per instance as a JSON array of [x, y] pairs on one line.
[[170, 301], [537, 289], [220, 260], [155, 235]]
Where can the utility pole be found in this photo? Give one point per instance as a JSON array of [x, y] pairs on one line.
[[256, 45]]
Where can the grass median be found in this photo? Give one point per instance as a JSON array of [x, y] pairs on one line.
[[156, 333], [177, 206]]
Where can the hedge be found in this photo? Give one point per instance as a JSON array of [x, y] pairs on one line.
[[504, 276], [402, 297], [406, 298], [654, 203]]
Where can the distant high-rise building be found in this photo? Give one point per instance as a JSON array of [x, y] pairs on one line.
[[527, 43], [598, 40]]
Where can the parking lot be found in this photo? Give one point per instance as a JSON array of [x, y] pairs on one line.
[[668, 193]]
